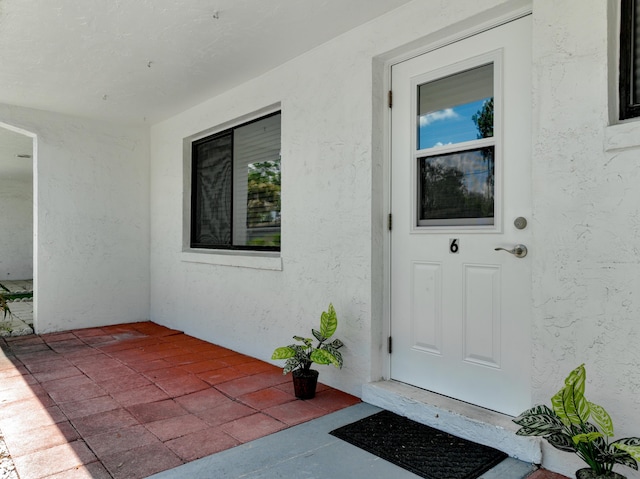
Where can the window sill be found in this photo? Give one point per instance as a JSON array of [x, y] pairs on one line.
[[622, 136], [244, 259]]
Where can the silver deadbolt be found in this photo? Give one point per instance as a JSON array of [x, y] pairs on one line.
[[520, 222], [519, 250]]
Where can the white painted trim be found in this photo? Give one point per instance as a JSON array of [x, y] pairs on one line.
[[186, 167], [454, 417], [494, 58], [244, 259], [623, 136], [460, 31]]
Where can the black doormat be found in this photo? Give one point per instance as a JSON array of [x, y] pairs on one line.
[[421, 449]]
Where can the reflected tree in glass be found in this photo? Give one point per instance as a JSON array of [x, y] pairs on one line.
[[447, 191], [484, 123], [263, 201]]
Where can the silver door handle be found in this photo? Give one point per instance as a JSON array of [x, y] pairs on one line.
[[519, 250]]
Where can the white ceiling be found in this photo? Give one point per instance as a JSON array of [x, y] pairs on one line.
[[141, 61], [146, 60]]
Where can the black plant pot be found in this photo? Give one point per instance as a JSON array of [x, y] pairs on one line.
[[588, 473], [304, 383]]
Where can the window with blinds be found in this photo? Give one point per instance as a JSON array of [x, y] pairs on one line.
[[629, 80], [235, 194]]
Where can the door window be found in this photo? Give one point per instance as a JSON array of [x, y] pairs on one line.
[[456, 149]]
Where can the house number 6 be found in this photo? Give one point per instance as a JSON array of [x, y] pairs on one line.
[[454, 245]]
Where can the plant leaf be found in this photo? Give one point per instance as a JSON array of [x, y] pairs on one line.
[[4, 306], [538, 421], [317, 335], [322, 356], [539, 425], [569, 403], [534, 411], [335, 353], [328, 322], [336, 344], [561, 441], [290, 365], [630, 445], [601, 418], [284, 352], [626, 460], [586, 438], [307, 341]]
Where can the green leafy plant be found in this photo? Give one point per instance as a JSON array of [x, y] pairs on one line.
[[302, 356], [566, 427], [4, 305]]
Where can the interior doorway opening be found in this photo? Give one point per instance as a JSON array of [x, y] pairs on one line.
[[18, 272]]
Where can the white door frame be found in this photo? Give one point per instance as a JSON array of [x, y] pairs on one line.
[[430, 43]]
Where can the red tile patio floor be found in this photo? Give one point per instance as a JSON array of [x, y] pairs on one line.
[[131, 400]]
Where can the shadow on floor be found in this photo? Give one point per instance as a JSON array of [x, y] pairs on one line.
[[132, 400]]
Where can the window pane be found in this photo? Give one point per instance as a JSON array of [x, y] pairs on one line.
[[629, 78], [456, 108], [456, 189], [211, 223], [257, 183], [636, 53]]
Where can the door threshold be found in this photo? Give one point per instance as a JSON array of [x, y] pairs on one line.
[[454, 417]]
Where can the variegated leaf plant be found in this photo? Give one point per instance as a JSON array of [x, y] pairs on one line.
[[566, 426], [302, 356]]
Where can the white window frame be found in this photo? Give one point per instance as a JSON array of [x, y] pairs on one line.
[[254, 259], [494, 58]]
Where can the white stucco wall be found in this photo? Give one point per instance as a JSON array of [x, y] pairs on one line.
[[585, 213], [586, 228], [332, 213], [92, 220], [16, 230]]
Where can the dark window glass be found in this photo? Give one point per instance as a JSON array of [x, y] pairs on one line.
[[235, 199], [629, 85], [456, 189], [212, 192]]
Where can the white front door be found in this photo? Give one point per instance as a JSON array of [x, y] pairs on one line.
[[460, 188]]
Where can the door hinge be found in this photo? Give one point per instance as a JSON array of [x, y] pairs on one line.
[[390, 345], [390, 99], [389, 222]]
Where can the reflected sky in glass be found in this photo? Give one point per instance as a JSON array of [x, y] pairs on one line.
[[449, 126]]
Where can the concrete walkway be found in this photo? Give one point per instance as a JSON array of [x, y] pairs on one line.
[[309, 451]]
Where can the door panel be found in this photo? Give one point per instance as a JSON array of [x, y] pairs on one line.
[[426, 320], [460, 169], [481, 318]]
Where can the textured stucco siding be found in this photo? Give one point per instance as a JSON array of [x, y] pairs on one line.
[[585, 224], [333, 215], [586, 210], [91, 264]]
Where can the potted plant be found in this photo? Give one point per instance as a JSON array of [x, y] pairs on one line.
[[301, 356], [566, 426]]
